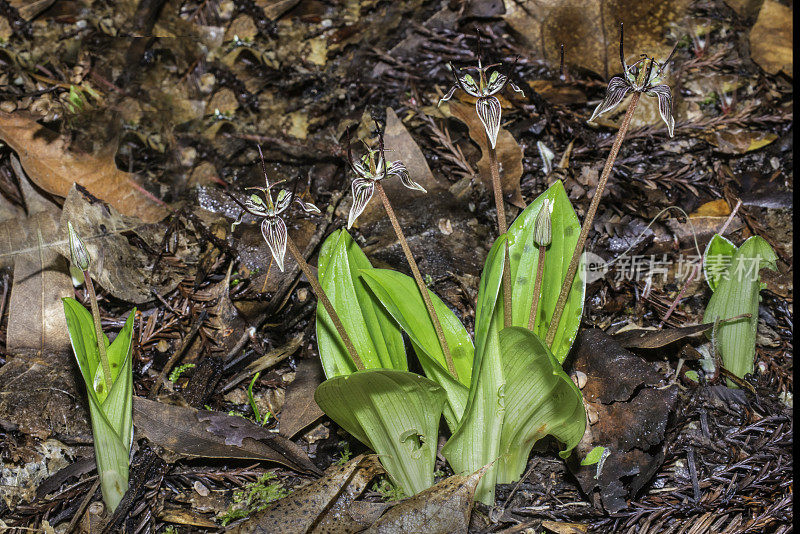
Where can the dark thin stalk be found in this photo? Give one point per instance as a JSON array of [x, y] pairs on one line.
[[587, 222], [98, 329], [418, 277], [537, 288], [326, 303], [502, 227]]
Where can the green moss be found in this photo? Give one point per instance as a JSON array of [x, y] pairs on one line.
[[253, 498]]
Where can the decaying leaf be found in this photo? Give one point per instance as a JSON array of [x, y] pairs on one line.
[[126, 271], [322, 506], [738, 140], [300, 409], [639, 338], [38, 391], [589, 30], [192, 433], [771, 38], [441, 509], [51, 165], [509, 153], [628, 412]]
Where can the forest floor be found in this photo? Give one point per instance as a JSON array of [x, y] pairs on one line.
[[159, 127]]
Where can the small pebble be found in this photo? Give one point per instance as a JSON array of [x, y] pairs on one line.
[[579, 377], [200, 488], [302, 294]]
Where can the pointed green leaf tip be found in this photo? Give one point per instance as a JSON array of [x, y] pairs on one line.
[[77, 249], [594, 456]]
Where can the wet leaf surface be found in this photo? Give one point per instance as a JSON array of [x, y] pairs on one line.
[[300, 409], [191, 433], [628, 409]]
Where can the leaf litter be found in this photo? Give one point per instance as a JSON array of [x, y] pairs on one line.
[[283, 84]]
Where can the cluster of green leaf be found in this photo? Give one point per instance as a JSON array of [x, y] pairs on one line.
[[179, 370], [733, 275], [111, 411], [253, 498], [509, 390]]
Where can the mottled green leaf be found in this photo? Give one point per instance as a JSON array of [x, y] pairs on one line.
[[395, 413], [524, 255], [540, 400], [476, 441]]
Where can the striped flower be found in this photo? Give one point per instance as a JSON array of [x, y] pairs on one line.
[[272, 227], [644, 76], [370, 168], [484, 88]]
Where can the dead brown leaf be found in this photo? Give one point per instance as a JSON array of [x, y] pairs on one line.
[[38, 394], [124, 270], [322, 506], [589, 30], [654, 339], [628, 411], [300, 409], [443, 508], [187, 432], [771, 38], [509, 153], [51, 165]]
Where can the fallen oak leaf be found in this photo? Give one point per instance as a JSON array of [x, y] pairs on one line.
[[191, 433], [321, 506], [51, 165]]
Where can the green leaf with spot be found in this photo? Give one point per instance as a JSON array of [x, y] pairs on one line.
[[395, 413], [376, 337]]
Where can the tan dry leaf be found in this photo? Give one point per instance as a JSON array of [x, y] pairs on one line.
[[322, 506], [509, 153], [443, 508], [50, 164], [589, 30], [771, 38]]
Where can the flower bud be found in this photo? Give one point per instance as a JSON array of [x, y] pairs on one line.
[[543, 227], [77, 249]]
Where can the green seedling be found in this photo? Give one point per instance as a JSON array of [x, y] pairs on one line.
[[108, 376], [389, 491], [259, 420], [345, 455], [733, 275]]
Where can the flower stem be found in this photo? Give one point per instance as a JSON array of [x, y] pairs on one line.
[[98, 330], [537, 287], [326, 303], [502, 227], [587, 222], [418, 277]]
